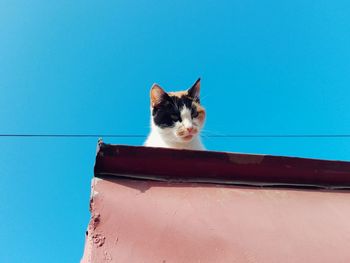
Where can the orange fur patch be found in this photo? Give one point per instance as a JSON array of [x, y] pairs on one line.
[[178, 94], [156, 94]]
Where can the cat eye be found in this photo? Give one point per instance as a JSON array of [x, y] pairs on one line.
[[174, 117], [194, 114]]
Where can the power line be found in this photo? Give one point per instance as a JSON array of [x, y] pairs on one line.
[[210, 136], [283, 136], [75, 135]]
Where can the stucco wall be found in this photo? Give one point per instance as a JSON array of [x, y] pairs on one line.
[[145, 221]]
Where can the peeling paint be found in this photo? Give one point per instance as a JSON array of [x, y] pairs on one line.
[[106, 256], [96, 179], [98, 240], [95, 220]]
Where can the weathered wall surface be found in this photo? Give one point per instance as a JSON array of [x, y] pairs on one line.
[[145, 221]]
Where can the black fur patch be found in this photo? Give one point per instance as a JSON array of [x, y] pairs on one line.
[[166, 113]]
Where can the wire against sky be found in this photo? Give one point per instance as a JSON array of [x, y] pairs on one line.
[[210, 136]]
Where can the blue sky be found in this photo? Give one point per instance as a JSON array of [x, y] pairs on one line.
[[267, 67]]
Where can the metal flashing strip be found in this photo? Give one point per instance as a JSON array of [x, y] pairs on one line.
[[218, 182]]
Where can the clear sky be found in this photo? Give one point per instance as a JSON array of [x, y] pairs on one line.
[[267, 67]]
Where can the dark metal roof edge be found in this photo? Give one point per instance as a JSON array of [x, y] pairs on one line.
[[172, 165]]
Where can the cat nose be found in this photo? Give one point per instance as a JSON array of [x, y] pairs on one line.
[[190, 129]]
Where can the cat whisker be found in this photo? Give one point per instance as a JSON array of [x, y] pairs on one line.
[[214, 133], [203, 97]]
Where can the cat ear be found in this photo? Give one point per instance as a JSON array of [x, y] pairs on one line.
[[157, 95], [194, 90]]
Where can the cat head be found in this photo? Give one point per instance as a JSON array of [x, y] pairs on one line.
[[178, 116]]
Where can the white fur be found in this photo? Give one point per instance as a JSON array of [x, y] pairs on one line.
[[169, 137]]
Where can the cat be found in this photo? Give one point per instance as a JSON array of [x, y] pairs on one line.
[[176, 118]]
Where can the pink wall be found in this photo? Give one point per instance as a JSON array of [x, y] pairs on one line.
[[147, 221]]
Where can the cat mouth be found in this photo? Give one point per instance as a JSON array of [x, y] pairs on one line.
[[187, 137]]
